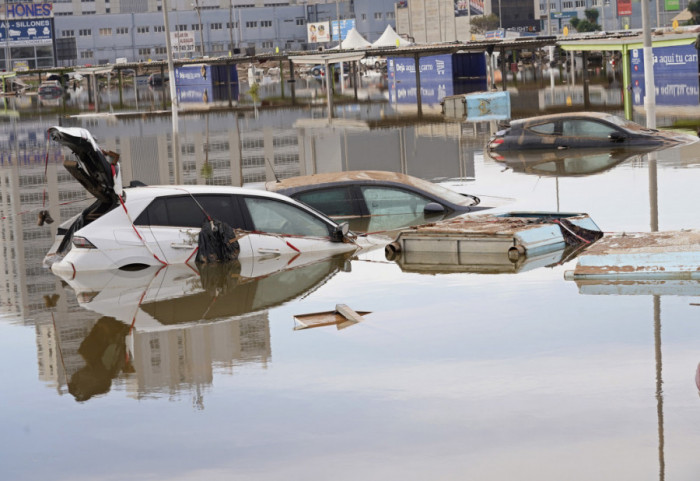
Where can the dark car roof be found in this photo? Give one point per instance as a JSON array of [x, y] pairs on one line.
[[554, 117], [294, 185]]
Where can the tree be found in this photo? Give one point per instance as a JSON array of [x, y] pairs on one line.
[[592, 15], [484, 23], [694, 9], [582, 26]]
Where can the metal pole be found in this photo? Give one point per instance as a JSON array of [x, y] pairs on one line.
[[500, 18], [329, 98], [230, 23], [173, 95], [201, 30], [649, 87], [340, 36]]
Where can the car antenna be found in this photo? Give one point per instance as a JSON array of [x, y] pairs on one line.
[[273, 169]]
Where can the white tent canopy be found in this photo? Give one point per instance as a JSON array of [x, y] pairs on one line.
[[389, 39], [354, 40]]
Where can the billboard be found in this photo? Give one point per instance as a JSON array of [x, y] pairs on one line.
[[624, 8], [440, 76], [345, 27], [318, 32], [675, 75], [26, 10], [670, 5], [26, 32], [469, 7], [182, 42]]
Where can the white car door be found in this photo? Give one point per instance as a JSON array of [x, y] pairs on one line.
[[175, 221]]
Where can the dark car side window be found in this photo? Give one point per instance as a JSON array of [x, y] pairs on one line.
[[389, 200], [587, 128], [335, 201], [547, 129], [183, 211]]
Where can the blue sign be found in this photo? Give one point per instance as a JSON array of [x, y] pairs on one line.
[[675, 75], [28, 32], [440, 76], [345, 27], [27, 10]]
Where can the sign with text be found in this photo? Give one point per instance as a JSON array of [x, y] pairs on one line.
[[624, 8], [26, 10], [182, 42], [345, 27], [675, 75], [26, 32], [318, 32], [670, 5]]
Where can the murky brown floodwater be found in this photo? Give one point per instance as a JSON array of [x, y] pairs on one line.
[[515, 373]]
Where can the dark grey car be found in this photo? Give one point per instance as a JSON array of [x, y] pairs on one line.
[[581, 130]]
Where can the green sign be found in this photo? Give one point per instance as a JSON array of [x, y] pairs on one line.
[[672, 5]]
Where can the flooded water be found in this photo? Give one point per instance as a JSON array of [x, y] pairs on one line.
[[513, 373]]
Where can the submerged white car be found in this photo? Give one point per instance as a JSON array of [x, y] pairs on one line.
[[140, 226]]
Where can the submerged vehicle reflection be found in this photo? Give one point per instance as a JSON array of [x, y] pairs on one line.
[[179, 294], [219, 310], [566, 163]]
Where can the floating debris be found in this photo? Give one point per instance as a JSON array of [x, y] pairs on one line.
[[342, 317]]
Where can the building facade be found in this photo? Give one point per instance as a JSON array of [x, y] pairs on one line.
[[75, 32]]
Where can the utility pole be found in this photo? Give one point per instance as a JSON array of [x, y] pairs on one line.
[[173, 95], [649, 86], [230, 23], [201, 30]]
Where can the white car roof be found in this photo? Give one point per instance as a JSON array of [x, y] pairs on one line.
[[153, 191]]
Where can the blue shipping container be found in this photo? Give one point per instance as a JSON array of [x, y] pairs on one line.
[[440, 76]]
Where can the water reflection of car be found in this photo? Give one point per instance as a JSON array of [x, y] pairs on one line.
[[139, 308], [566, 163], [141, 225], [580, 130], [376, 200], [180, 294], [50, 89], [156, 79]]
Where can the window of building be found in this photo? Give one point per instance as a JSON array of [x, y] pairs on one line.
[[363, 17], [105, 32], [122, 30], [567, 5], [251, 24], [181, 28], [300, 21], [195, 27], [389, 14], [217, 26], [580, 3], [377, 15], [67, 33], [266, 23], [267, 44], [143, 29], [161, 50], [230, 25], [85, 32], [86, 54], [144, 51], [158, 29]]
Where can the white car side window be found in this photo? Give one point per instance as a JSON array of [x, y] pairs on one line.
[[280, 218]]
